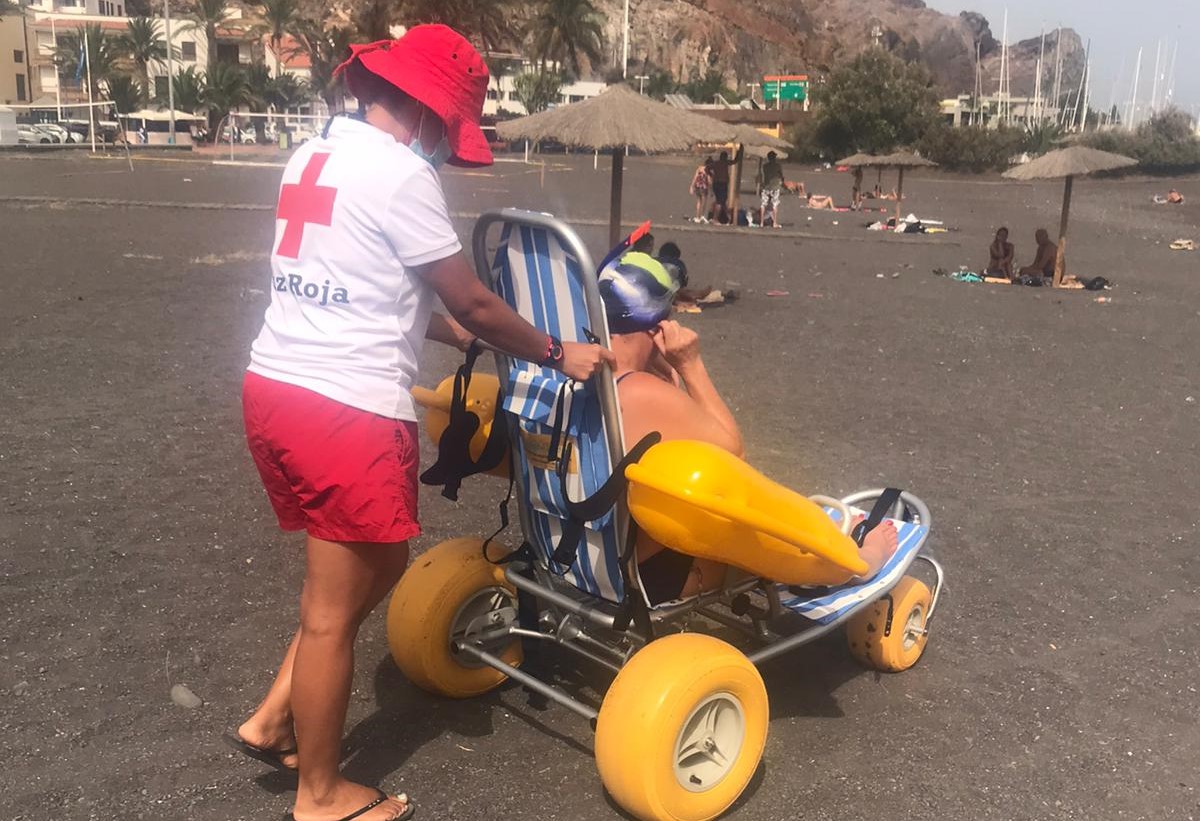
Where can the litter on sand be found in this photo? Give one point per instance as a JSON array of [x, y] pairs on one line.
[[1183, 245]]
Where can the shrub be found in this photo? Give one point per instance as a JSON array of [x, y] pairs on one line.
[[1166, 144], [973, 149]]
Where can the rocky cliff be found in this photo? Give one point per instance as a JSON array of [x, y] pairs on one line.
[[744, 39]]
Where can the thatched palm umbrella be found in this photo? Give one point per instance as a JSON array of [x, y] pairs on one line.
[[1070, 163], [617, 119], [858, 162], [902, 160]]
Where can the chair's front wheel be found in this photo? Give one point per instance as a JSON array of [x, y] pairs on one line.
[[898, 646], [451, 593], [682, 729]]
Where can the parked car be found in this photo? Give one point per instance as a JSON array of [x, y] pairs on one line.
[[27, 134], [301, 133], [63, 134], [44, 130]]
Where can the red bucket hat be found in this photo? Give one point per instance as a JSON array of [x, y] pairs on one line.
[[437, 67]]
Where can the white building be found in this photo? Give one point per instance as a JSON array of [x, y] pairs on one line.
[[505, 98]]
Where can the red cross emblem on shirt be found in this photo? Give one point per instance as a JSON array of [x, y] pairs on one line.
[[303, 203]]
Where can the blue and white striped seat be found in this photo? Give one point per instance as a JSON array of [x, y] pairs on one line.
[[541, 280]]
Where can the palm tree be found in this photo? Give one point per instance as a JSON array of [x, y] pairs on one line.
[[258, 90], [208, 14], [287, 92], [490, 23], [142, 44], [103, 57], [125, 93], [326, 47], [564, 30], [279, 18], [225, 90], [373, 19], [189, 90]]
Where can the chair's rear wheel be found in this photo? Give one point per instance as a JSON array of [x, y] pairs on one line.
[[451, 593], [682, 729], [898, 646]]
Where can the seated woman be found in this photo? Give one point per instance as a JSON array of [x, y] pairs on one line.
[[663, 385], [820, 202], [1000, 256]]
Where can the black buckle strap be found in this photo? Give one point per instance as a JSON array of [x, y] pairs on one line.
[[596, 505], [886, 501], [454, 462]]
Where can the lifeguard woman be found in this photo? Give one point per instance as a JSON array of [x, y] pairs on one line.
[[363, 243]]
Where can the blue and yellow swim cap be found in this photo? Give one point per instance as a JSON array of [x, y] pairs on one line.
[[638, 292]]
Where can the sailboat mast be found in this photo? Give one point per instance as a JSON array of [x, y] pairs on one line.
[[1137, 76], [1058, 76]]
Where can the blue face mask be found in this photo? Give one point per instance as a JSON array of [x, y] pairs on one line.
[[441, 152]]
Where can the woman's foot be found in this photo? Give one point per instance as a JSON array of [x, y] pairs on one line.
[[273, 736], [878, 546], [347, 798]]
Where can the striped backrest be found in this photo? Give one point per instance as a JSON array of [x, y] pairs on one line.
[[536, 274]]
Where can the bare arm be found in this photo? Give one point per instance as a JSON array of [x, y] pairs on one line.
[[681, 348], [649, 404], [445, 330], [487, 316]]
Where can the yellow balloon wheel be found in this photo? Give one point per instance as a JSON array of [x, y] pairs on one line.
[[682, 729], [450, 591], [898, 647]]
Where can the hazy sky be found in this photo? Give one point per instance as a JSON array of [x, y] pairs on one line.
[[1117, 28]]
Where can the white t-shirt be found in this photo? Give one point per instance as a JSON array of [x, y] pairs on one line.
[[357, 211]]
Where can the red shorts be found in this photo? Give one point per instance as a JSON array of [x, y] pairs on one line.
[[340, 473]]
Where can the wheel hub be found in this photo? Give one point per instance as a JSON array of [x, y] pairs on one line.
[[491, 610], [914, 627], [710, 742]]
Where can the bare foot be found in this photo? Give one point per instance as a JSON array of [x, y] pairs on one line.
[[275, 737], [878, 546], [348, 798]]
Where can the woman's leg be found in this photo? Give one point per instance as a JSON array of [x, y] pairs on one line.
[[270, 727], [342, 584]]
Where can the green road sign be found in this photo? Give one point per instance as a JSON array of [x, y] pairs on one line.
[[787, 88]]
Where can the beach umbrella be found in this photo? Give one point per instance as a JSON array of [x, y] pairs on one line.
[[902, 160], [619, 118], [857, 162], [1068, 163]]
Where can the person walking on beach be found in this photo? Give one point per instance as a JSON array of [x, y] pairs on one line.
[[772, 190], [701, 184]]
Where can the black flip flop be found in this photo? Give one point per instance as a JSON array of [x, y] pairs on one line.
[[409, 809], [264, 754]]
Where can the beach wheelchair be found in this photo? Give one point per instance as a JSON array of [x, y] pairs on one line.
[[681, 730]]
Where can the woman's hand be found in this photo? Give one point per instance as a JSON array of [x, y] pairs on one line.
[[680, 346], [582, 360]]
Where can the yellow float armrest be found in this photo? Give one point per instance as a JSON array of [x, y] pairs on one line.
[[750, 518], [430, 399]]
